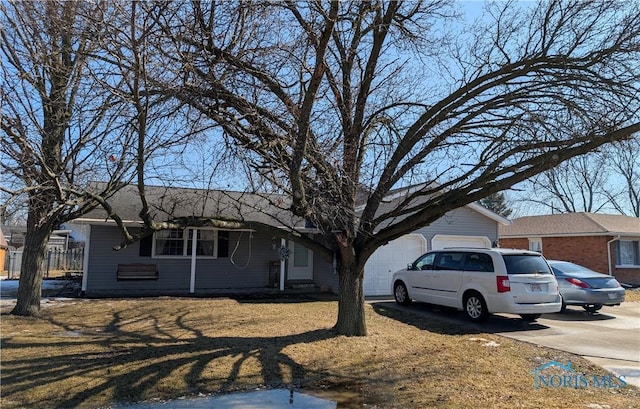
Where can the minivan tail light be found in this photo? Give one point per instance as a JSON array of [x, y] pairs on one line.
[[503, 284], [578, 283]]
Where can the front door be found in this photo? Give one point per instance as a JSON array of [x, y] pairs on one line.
[[300, 262]]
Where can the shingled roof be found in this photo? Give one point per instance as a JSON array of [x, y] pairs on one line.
[[167, 203], [572, 224]]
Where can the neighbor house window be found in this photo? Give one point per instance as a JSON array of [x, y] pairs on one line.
[[627, 253], [179, 243], [535, 244]]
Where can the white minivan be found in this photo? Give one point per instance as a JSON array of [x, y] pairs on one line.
[[480, 282]]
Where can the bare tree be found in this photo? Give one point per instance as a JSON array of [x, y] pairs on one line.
[[607, 180], [13, 209], [57, 122], [337, 105], [577, 185], [77, 108], [624, 161], [163, 127]]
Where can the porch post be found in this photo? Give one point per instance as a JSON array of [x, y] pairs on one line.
[[283, 260], [192, 284]]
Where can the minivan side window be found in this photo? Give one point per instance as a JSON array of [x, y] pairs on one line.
[[449, 261], [525, 264], [425, 262], [478, 262]]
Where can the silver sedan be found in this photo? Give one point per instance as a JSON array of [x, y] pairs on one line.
[[581, 286]]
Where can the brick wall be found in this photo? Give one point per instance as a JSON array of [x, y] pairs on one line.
[[514, 243], [589, 251], [627, 275]]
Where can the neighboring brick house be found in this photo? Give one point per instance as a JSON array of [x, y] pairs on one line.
[[606, 243]]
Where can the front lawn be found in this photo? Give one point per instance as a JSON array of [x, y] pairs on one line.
[[91, 353]]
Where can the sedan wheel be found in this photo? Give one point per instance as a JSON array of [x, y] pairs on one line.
[[563, 308], [476, 308], [401, 294]]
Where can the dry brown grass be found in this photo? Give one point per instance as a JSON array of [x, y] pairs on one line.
[[90, 353], [632, 295]]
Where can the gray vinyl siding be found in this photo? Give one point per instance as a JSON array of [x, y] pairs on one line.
[[246, 267], [103, 264], [324, 274], [461, 222]]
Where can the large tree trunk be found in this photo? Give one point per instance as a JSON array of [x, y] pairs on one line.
[[351, 319], [31, 272]]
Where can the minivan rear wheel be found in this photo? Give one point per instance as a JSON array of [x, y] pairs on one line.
[[475, 307], [401, 294]]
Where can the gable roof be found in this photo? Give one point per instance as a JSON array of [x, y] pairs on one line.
[[572, 224], [396, 195]]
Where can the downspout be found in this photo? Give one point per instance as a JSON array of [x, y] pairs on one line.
[[283, 260], [192, 280], [609, 253], [85, 262]]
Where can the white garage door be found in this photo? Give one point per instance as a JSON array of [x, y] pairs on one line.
[[440, 241], [389, 259]]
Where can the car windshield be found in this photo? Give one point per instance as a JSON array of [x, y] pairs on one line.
[[525, 264]]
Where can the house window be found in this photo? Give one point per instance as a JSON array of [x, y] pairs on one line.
[[205, 243], [300, 255], [535, 244], [169, 243], [178, 243], [627, 253]]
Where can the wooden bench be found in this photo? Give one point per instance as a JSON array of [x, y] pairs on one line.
[[137, 272]]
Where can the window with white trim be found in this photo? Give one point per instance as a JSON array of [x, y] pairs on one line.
[[627, 253], [205, 243], [169, 243], [177, 243], [535, 244]]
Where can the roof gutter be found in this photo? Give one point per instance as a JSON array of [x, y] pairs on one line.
[[609, 253]]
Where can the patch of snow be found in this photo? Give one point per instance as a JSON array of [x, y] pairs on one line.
[[263, 399], [598, 406], [478, 339], [9, 288]]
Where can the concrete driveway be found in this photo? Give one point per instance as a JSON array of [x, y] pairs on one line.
[[610, 338]]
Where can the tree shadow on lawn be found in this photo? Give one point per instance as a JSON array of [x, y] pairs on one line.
[[448, 321], [283, 298], [152, 358]]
